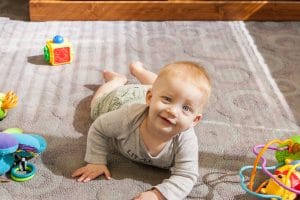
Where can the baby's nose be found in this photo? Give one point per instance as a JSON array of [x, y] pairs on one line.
[[173, 110]]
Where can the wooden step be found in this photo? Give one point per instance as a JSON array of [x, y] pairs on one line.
[[44, 10]]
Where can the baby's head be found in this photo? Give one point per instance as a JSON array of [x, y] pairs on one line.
[[190, 73], [178, 96]]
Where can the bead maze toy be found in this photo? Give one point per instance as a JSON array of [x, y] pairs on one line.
[[7, 101], [284, 178], [16, 148], [58, 51]]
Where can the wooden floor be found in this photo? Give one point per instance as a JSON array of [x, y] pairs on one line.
[[44, 10]]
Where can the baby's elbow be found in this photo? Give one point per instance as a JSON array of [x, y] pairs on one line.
[[191, 175]]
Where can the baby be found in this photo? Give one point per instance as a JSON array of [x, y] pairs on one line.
[[150, 123]]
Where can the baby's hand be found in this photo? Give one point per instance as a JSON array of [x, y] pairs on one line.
[[90, 172], [150, 195]]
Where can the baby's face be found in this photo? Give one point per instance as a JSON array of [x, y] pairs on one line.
[[174, 106]]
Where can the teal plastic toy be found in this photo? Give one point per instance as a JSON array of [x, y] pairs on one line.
[[16, 148]]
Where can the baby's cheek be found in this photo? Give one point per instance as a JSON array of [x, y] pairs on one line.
[[187, 123], [181, 126]]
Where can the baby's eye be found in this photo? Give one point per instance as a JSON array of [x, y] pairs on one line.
[[166, 99], [187, 108]]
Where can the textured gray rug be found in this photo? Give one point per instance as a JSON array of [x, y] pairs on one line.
[[246, 108]]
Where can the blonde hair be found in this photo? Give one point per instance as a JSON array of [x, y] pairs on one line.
[[190, 72]]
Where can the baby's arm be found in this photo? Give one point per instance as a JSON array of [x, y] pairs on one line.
[[96, 152], [90, 172], [103, 128], [184, 173]]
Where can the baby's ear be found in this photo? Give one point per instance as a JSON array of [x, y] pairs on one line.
[[197, 119], [148, 96]]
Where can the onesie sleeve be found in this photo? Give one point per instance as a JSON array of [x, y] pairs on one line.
[[106, 126], [114, 125], [184, 173]]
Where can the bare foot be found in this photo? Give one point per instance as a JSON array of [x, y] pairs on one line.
[[110, 75], [136, 68], [145, 76]]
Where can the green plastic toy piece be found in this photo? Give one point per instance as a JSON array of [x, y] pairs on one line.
[[13, 130], [3, 113], [281, 156], [46, 54]]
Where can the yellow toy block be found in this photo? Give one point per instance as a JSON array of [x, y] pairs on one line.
[[58, 51]]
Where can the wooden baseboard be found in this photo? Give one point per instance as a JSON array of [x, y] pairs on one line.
[[45, 10]]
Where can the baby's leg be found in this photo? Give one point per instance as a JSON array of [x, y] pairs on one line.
[[145, 76], [113, 80]]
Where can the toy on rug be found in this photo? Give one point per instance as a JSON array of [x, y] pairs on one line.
[[7, 101], [58, 51], [284, 183], [16, 148]]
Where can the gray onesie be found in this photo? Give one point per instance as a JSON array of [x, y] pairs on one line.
[[121, 126]]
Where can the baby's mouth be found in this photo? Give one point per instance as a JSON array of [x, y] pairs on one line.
[[167, 121]]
